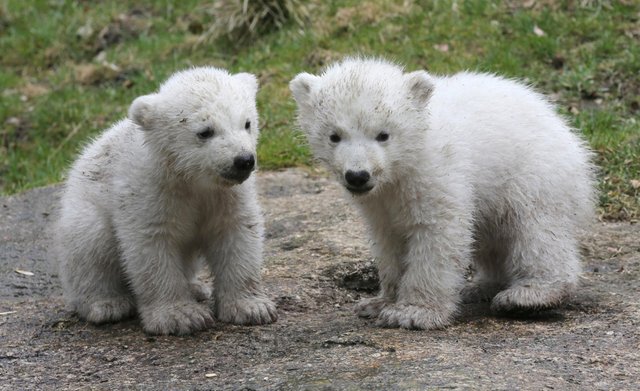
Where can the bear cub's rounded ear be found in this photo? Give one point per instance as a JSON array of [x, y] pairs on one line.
[[248, 80], [301, 86], [142, 110], [420, 86]]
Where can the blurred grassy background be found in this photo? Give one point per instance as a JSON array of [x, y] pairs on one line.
[[71, 68]]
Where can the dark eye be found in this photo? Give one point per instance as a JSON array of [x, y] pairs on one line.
[[247, 125], [334, 138], [205, 134], [382, 137]]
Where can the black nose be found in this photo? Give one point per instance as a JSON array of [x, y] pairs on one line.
[[244, 162], [357, 178]]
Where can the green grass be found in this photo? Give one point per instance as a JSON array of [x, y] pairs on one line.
[[588, 60]]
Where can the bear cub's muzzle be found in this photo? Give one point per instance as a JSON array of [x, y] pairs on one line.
[[243, 165], [358, 181]]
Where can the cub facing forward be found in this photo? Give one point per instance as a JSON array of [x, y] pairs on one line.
[[159, 191], [446, 171]]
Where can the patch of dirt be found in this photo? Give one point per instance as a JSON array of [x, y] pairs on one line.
[[360, 277], [34, 90], [317, 265], [124, 26], [102, 73]]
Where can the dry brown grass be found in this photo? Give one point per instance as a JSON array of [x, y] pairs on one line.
[[243, 19]]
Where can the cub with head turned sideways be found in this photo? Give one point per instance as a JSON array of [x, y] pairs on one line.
[[448, 171], [160, 191]]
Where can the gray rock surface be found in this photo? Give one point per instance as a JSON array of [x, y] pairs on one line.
[[317, 265]]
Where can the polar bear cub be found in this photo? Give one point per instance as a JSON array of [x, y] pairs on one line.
[[156, 193], [450, 170]]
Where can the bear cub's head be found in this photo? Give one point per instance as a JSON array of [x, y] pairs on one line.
[[364, 119], [203, 123]]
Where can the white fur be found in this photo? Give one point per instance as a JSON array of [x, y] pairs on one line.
[[476, 167], [149, 198]]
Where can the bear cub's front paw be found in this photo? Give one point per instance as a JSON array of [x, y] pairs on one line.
[[176, 318], [410, 316], [370, 307], [253, 310], [110, 309]]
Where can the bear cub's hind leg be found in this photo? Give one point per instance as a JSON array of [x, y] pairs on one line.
[[543, 267], [94, 287]]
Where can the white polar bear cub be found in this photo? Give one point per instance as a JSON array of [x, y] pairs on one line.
[[447, 170], [159, 191]]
